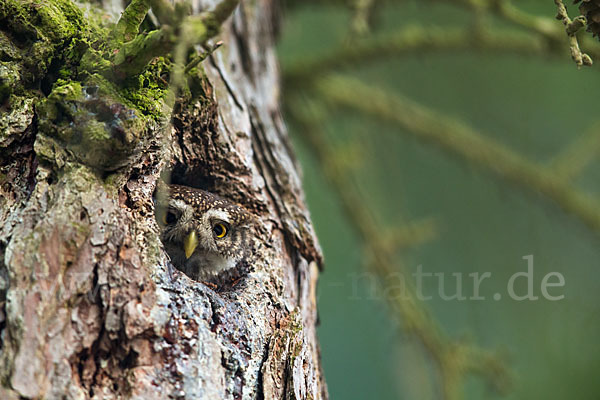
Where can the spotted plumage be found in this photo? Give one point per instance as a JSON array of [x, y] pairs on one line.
[[204, 234]]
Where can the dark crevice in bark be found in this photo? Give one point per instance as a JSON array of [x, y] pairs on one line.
[[265, 168], [205, 160], [52, 73], [4, 283], [300, 278], [196, 130], [129, 361], [88, 365], [93, 295], [285, 377], [240, 33], [215, 305], [278, 123], [87, 361], [260, 390], [226, 83], [17, 155], [233, 366]]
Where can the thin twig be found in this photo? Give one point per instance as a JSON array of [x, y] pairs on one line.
[[571, 27], [201, 57]]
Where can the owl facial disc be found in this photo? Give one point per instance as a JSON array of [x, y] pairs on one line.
[[204, 234]]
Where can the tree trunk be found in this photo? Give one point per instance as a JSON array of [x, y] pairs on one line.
[[90, 306]]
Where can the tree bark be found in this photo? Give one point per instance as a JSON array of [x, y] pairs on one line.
[[90, 306]]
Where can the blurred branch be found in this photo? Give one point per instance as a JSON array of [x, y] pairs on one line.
[[575, 158], [507, 11], [454, 361], [414, 39], [459, 139], [411, 234], [571, 27], [196, 30], [128, 25], [541, 25], [361, 20], [134, 55], [292, 4], [165, 12]]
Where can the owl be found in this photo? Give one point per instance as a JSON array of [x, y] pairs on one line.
[[204, 234]]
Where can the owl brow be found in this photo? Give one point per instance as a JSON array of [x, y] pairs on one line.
[[205, 200]]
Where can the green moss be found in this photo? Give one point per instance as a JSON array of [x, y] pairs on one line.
[[59, 20], [39, 30], [134, 56], [47, 149], [81, 179], [6, 82], [295, 319], [130, 21], [88, 112], [97, 132], [197, 81], [147, 91], [97, 125], [7, 49], [66, 90]]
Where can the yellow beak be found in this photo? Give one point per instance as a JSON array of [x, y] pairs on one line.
[[190, 243]]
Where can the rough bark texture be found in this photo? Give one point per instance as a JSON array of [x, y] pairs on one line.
[[90, 308]]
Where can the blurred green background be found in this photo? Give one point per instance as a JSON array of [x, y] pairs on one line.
[[536, 105]]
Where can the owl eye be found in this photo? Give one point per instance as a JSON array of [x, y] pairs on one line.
[[220, 230], [170, 218]]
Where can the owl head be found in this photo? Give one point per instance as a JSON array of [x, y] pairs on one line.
[[203, 233]]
